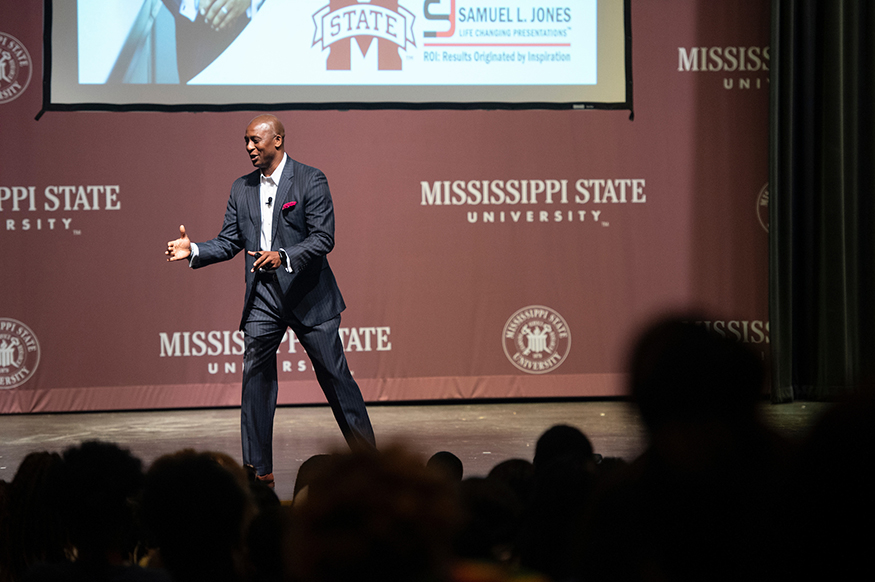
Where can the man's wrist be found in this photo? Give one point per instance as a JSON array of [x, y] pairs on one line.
[[192, 254], [287, 263]]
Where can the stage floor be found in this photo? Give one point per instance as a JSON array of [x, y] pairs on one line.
[[481, 434]]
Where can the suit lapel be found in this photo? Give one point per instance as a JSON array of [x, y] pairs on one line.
[[253, 203], [283, 195]]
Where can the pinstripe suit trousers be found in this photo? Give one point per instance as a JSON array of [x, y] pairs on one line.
[[263, 331]]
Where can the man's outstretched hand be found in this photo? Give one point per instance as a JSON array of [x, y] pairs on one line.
[[179, 249]]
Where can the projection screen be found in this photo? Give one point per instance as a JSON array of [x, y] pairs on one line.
[[327, 54]]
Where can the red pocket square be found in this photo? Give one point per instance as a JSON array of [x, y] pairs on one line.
[[288, 205]]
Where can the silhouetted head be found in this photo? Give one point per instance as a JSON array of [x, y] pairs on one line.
[[101, 480], [492, 518], [446, 464], [518, 474], [195, 510], [373, 516], [36, 529], [309, 469], [562, 443], [681, 372]]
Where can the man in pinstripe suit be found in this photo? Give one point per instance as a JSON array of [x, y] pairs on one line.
[[283, 216]]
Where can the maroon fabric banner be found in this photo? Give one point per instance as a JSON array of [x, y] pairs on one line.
[[482, 254]]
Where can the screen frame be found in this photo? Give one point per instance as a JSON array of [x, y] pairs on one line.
[[50, 105]]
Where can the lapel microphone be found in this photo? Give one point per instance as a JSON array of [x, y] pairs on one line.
[[269, 201]]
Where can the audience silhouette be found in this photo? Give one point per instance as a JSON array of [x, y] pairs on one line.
[[715, 495]]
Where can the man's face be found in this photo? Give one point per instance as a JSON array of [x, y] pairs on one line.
[[263, 145]]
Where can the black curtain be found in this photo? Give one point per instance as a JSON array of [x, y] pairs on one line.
[[822, 198]]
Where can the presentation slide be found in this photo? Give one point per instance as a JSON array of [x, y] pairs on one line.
[[222, 52]]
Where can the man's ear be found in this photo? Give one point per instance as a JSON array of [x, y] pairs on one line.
[[278, 141]]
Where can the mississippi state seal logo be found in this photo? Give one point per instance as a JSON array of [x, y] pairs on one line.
[[19, 353], [536, 339], [15, 68], [763, 207]]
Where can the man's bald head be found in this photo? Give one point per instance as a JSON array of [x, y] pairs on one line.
[[275, 125]]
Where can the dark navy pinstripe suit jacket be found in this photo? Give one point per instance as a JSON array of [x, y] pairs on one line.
[[304, 230]]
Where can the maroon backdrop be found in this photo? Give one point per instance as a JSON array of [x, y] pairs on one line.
[[663, 212]]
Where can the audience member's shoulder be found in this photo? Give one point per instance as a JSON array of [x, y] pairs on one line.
[[72, 572]]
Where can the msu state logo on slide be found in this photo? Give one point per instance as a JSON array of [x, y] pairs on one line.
[[15, 67], [340, 22], [19, 353], [536, 339]]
